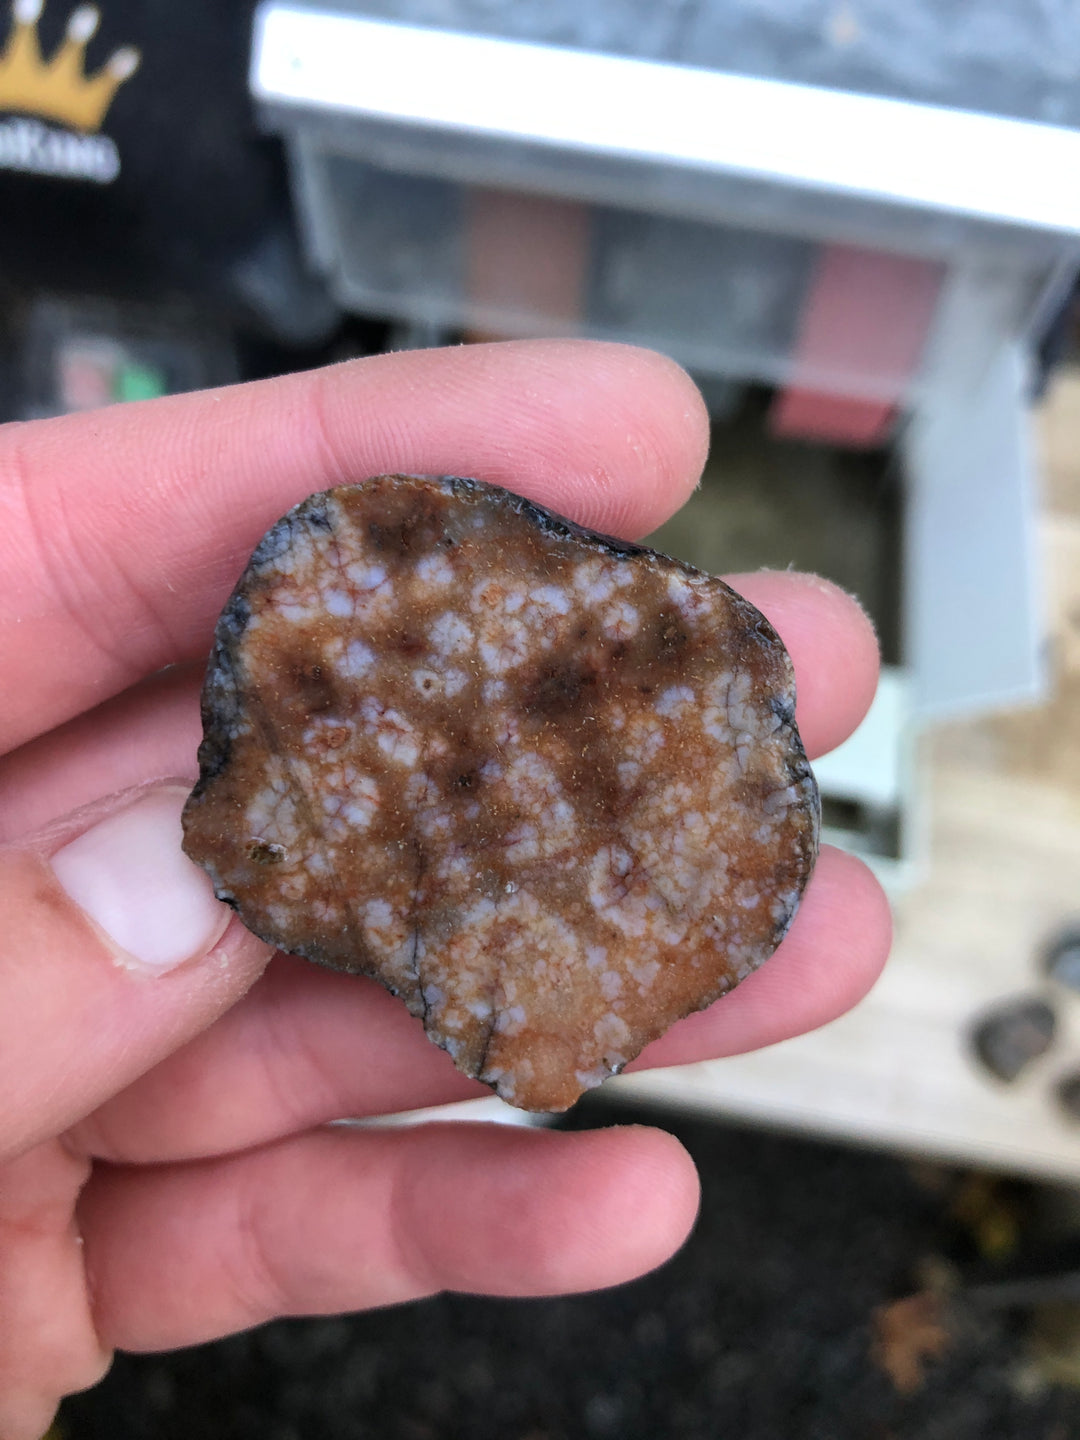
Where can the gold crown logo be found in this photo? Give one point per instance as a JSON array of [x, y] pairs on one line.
[[59, 88]]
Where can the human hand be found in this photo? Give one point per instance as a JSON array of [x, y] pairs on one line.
[[165, 1171]]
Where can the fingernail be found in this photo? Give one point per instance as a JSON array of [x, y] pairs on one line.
[[129, 874]]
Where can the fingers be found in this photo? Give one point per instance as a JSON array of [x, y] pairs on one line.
[[307, 1046], [344, 1220], [113, 953], [149, 731], [153, 729], [48, 1346], [123, 531], [832, 645]]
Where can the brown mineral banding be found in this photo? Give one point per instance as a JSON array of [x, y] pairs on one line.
[[543, 785]]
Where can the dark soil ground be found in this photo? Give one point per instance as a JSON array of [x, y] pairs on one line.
[[762, 1328]]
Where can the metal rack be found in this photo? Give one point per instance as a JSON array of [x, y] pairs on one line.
[[709, 200]]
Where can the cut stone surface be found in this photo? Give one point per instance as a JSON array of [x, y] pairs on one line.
[[544, 785]]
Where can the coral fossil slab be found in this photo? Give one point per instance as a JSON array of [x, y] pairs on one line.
[[545, 786]]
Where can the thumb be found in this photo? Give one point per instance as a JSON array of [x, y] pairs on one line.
[[113, 953]]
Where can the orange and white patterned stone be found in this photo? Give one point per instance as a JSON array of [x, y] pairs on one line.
[[545, 786]]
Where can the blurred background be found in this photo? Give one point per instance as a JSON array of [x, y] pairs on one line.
[[858, 225]]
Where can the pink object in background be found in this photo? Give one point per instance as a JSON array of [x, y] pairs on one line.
[[866, 315], [86, 372], [527, 258]]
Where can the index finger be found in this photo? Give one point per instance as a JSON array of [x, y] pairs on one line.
[[122, 531]]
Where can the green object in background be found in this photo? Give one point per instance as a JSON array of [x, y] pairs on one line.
[[139, 382]]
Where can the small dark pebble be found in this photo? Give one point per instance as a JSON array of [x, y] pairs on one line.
[[1011, 1036]]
